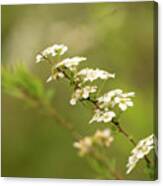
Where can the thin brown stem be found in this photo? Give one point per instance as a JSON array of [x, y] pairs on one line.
[[46, 58], [121, 130], [52, 112], [65, 124], [77, 136], [130, 139]]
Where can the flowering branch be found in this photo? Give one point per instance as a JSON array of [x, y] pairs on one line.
[[108, 107], [89, 145], [20, 83], [143, 148], [130, 138]]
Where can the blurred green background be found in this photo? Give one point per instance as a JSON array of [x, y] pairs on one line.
[[118, 37]]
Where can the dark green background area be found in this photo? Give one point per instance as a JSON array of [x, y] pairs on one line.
[[118, 37]]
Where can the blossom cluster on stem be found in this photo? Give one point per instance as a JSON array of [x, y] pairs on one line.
[[83, 90], [101, 137], [51, 51], [108, 106], [143, 148]]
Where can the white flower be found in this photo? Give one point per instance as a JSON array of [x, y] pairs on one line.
[[106, 100], [59, 49], [51, 51], [57, 75], [82, 93], [132, 161], [124, 101], [103, 137], [88, 74], [73, 101], [143, 148], [102, 116], [39, 58], [84, 145], [116, 97], [70, 63]]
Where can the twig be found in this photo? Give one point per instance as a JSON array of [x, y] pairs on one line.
[[52, 112], [130, 139], [121, 130], [65, 124]]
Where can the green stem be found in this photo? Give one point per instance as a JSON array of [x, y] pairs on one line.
[[101, 159]]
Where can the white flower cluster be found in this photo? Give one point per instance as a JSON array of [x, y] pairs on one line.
[[70, 63], [84, 146], [51, 51], [108, 101], [83, 90], [143, 148], [82, 93], [101, 137], [88, 74], [102, 116], [116, 97]]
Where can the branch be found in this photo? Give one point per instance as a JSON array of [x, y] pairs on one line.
[[120, 129], [130, 139]]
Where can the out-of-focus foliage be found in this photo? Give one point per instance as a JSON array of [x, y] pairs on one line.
[[19, 82]]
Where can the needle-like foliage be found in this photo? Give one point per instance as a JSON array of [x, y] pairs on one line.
[[19, 82]]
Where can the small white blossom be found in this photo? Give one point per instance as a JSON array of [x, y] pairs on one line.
[[70, 63], [84, 146], [39, 58], [124, 100], [88, 74], [59, 49], [116, 97], [103, 137], [132, 161], [143, 148], [82, 93], [106, 100], [57, 75], [51, 51], [123, 103], [102, 116]]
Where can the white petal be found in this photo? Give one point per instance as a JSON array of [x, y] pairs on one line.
[[130, 103], [49, 79], [73, 101], [117, 100], [38, 58], [122, 106]]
